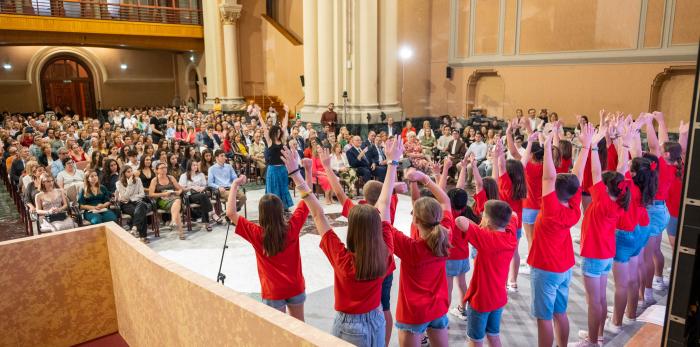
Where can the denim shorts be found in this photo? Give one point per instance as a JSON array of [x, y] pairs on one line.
[[386, 292], [530, 215], [457, 266], [672, 227], [480, 324], [642, 237], [366, 329], [625, 245], [593, 267], [519, 233], [550, 292], [280, 304], [438, 323], [658, 217]]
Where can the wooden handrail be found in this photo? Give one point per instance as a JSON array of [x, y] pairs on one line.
[[286, 33]]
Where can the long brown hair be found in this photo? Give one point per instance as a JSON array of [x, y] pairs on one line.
[[365, 241], [122, 176], [87, 188], [273, 224], [428, 214]]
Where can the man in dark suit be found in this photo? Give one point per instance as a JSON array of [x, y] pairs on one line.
[[377, 157], [456, 147], [357, 158], [391, 128], [18, 164]]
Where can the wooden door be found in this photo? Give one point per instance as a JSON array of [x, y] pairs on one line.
[[67, 82]]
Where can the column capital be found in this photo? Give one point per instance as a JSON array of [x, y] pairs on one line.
[[230, 11]]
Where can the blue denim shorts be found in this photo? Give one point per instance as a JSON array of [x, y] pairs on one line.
[[593, 267], [519, 233], [386, 292], [625, 245], [280, 304], [366, 329], [457, 266], [672, 226], [642, 237], [658, 217], [550, 292], [530, 215], [480, 324], [438, 323]]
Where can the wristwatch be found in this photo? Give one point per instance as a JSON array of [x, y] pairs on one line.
[[394, 162]]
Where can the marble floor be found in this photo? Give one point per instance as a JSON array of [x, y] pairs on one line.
[[201, 252]]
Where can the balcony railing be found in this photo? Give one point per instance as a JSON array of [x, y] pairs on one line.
[[165, 11]]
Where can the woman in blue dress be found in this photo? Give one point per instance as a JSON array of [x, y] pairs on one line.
[[276, 179]]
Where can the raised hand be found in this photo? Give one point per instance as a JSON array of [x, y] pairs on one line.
[[447, 163], [586, 135], [416, 176], [241, 180], [325, 157], [435, 168], [307, 163], [394, 148], [548, 140], [599, 134], [533, 136], [290, 159]]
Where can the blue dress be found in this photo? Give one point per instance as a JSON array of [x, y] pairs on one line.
[[276, 179]]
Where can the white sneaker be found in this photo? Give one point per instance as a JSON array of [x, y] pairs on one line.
[[628, 321], [612, 328], [643, 304], [458, 312], [583, 334], [582, 343], [611, 309], [512, 287], [658, 283], [525, 270], [134, 231]]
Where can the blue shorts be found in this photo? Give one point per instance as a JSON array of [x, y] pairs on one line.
[[280, 304], [438, 323], [530, 215], [658, 217], [672, 227], [519, 233], [625, 245], [457, 266], [642, 237], [366, 329], [550, 292], [593, 267], [386, 292], [480, 324]]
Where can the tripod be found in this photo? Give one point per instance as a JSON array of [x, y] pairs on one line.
[[220, 277]]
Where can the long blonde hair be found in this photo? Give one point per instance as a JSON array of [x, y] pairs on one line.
[[427, 213], [366, 242]]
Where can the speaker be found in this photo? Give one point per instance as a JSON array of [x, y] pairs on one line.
[[301, 78], [449, 72]]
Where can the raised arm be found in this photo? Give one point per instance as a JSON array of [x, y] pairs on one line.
[[325, 157], [394, 150], [478, 181], [498, 155], [446, 165], [595, 158], [510, 141], [525, 158], [231, 206], [652, 140], [285, 124], [683, 136], [291, 161], [663, 129], [263, 125], [549, 171], [439, 194], [586, 137]]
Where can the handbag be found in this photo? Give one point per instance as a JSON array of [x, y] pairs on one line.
[[56, 217]]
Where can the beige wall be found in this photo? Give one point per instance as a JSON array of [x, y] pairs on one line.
[[414, 28], [290, 16], [284, 63], [151, 78], [250, 47], [56, 289]]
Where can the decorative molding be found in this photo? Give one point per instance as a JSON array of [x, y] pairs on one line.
[[642, 24], [471, 85], [230, 12], [501, 25], [665, 76], [139, 80], [472, 26]]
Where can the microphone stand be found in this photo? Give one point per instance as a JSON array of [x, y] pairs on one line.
[[220, 277]]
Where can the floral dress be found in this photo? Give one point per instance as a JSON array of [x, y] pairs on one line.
[[420, 163]]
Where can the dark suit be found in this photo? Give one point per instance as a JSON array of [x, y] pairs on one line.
[[363, 165], [459, 151], [395, 127], [375, 155], [16, 170]]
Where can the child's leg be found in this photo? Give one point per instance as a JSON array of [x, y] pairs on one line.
[[514, 266], [545, 333], [592, 286], [603, 305], [462, 284], [561, 329], [438, 337], [450, 279], [409, 339], [621, 275], [296, 311], [633, 287], [494, 341]]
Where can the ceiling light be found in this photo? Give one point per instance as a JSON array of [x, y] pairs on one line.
[[123, 66], [7, 66]]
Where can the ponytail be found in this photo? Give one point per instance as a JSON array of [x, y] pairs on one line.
[[428, 215], [675, 152], [645, 178], [439, 241], [618, 187]]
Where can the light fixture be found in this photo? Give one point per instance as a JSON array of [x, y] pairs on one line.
[[405, 53], [7, 66], [123, 66], [192, 58]]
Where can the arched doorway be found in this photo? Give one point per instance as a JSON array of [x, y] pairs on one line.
[[193, 86], [486, 91], [66, 83]]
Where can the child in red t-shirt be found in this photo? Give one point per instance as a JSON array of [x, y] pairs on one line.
[[552, 255], [360, 268], [276, 245], [610, 198], [423, 301], [495, 240]]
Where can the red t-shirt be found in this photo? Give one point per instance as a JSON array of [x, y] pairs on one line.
[[392, 207], [423, 280], [458, 239], [674, 197], [487, 289], [280, 275], [598, 226], [353, 296], [666, 175], [533, 181], [612, 158], [564, 166], [505, 189], [587, 178], [629, 219], [479, 202], [552, 249]]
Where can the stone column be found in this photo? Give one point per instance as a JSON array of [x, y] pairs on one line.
[[230, 12], [368, 57], [388, 82], [212, 52], [310, 57], [325, 53]]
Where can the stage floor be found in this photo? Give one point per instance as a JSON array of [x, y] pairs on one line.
[[201, 253]]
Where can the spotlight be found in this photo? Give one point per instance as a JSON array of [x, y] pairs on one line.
[[405, 53], [123, 66], [7, 66], [192, 58]]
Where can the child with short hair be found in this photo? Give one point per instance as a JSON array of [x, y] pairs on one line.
[[495, 239]]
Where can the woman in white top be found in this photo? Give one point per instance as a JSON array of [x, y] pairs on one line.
[[52, 206], [194, 183], [131, 195], [70, 175], [342, 169]]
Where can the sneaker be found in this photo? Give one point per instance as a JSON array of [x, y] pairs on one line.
[[583, 334], [512, 287], [134, 231], [643, 304], [582, 343], [424, 341], [611, 309], [612, 328], [524, 269], [628, 321], [658, 283], [458, 312]]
